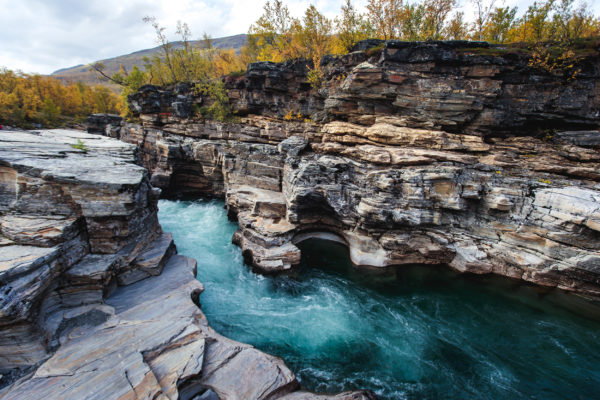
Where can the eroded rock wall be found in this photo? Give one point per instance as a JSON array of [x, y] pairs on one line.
[[435, 153], [456, 86], [94, 301], [58, 204]]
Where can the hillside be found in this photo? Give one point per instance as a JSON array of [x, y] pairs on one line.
[[83, 74]]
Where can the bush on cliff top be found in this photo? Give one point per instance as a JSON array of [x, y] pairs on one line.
[[203, 66], [277, 36]]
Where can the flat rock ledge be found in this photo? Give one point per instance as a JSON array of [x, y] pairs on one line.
[[95, 302]]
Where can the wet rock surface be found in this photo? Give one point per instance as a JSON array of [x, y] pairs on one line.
[[95, 303]]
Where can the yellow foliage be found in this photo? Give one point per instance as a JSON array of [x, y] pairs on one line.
[[290, 116], [277, 36], [189, 63], [385, 17], [226, 61], [351, 27], [269, 38], [33, 99]]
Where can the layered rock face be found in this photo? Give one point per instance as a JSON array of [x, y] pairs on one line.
[[435, 153], [58, 204], [95, 303], [457, 86]]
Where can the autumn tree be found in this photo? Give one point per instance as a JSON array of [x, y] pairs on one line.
[[457, 28], [483, 10], [412, 17], [534, 26], [317, 39], [185, 55], [165, 45], [103, 100], [499, 24], [202, 64], [571, 23], [181, 63], [227, 61], [269, 37], [314, 37], [584, 24], [385, 17], [434, 21], [351, 27], [276, 36], [26, 100]]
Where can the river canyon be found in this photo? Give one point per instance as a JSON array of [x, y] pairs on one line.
[[424, 225]]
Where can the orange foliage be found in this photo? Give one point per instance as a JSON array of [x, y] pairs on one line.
[[34, 99]]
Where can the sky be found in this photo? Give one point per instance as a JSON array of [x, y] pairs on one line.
[[41, 36]]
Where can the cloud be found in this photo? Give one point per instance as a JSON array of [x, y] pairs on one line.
[[41, 36], [44, 35]]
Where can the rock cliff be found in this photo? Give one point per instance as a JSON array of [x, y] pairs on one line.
[[450, 153], [95, 302]]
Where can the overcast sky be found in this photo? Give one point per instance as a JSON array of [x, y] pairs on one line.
[[44, 35]]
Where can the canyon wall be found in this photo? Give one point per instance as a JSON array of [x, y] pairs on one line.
[[453, 153], [94, 302]]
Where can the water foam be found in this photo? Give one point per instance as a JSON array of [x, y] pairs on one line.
[[415, 332]]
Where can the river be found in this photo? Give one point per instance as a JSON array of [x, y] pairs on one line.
[[418, 332]]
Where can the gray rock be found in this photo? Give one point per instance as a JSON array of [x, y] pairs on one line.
[[293, 145], [579, 138], [63, 194], [105, 124], [182, 109], [39, 231], [61, 312], [150, 262], [396, 192]]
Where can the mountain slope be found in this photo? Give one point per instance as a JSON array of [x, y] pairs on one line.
[[82, 73]]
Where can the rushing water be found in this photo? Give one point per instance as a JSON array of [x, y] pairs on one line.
[[414, 332]]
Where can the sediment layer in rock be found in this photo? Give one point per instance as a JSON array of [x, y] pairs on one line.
[[64, 194], [95, 303], [438, 153], [154, 339]]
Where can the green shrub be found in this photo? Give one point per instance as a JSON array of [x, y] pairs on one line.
[[80, 146]]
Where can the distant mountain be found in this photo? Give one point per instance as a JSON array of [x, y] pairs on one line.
[[82, 73]]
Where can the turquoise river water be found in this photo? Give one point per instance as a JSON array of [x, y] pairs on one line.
[[406, 333]]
